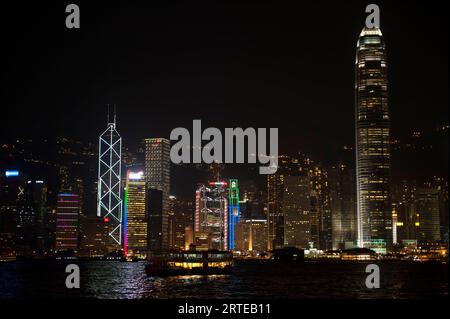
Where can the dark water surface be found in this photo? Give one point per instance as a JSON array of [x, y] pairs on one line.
[[250, 279]]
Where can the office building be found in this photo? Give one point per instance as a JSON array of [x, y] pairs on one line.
[[342, 185], [67, 222], [135, 215], [374, 221], [154, 221], [157, 176], [211, 214], [296, 211], [427, 213]]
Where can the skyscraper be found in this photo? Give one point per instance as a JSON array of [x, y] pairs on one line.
[[374, 222], [296, 208], [427, 212], [275, 218], [11, 189], [157, 176], [30, 217], [94, 236], [181, 217], [343, 206], [154, 220], [109, 200], [403, 199], [320, 210], [211, 214], [251, 236], [233, 210], [67, 215], [135, 215]]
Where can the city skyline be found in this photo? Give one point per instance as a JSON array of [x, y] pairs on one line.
[[89, 174]]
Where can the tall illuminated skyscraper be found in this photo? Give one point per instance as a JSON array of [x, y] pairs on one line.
[[275, 216], [233, 211], [157, 176], [135, 215], [109, 200], [374, 221], [211, 214], [297, 207]]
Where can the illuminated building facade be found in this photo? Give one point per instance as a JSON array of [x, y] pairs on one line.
[[181, 216], [30, 218], [11, 186], [233, 210], [319, 211], [135, 215], [251, 236], [109, 200], [157, 176], [275, 216], [188, 237], [403, 211], [67, 221], [296, 209], [341, 180], [251, 201], [427, 213], [211, 214], [202, 240], [155, 229], [94, 235], [374, 221]]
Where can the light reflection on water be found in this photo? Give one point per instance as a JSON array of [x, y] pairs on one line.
[[250, 279]]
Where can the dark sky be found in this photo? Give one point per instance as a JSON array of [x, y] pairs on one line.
[[265, 65]]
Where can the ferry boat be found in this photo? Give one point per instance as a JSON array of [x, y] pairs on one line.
[[209, 262]]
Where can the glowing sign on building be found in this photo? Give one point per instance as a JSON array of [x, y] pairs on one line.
[[135, 175], [125, 206], [11, 173], [233, 211]]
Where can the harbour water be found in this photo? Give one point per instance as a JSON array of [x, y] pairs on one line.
[[250, 279]]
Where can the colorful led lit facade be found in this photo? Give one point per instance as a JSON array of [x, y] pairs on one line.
[[211, 214], [374, 221], [234, 212], [67, 214], [109, 200], [135, 215]]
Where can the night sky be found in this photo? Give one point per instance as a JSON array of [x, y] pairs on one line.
[[265, 65]]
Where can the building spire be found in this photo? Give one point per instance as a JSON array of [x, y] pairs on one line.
[[114, 114], [107, 114]]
